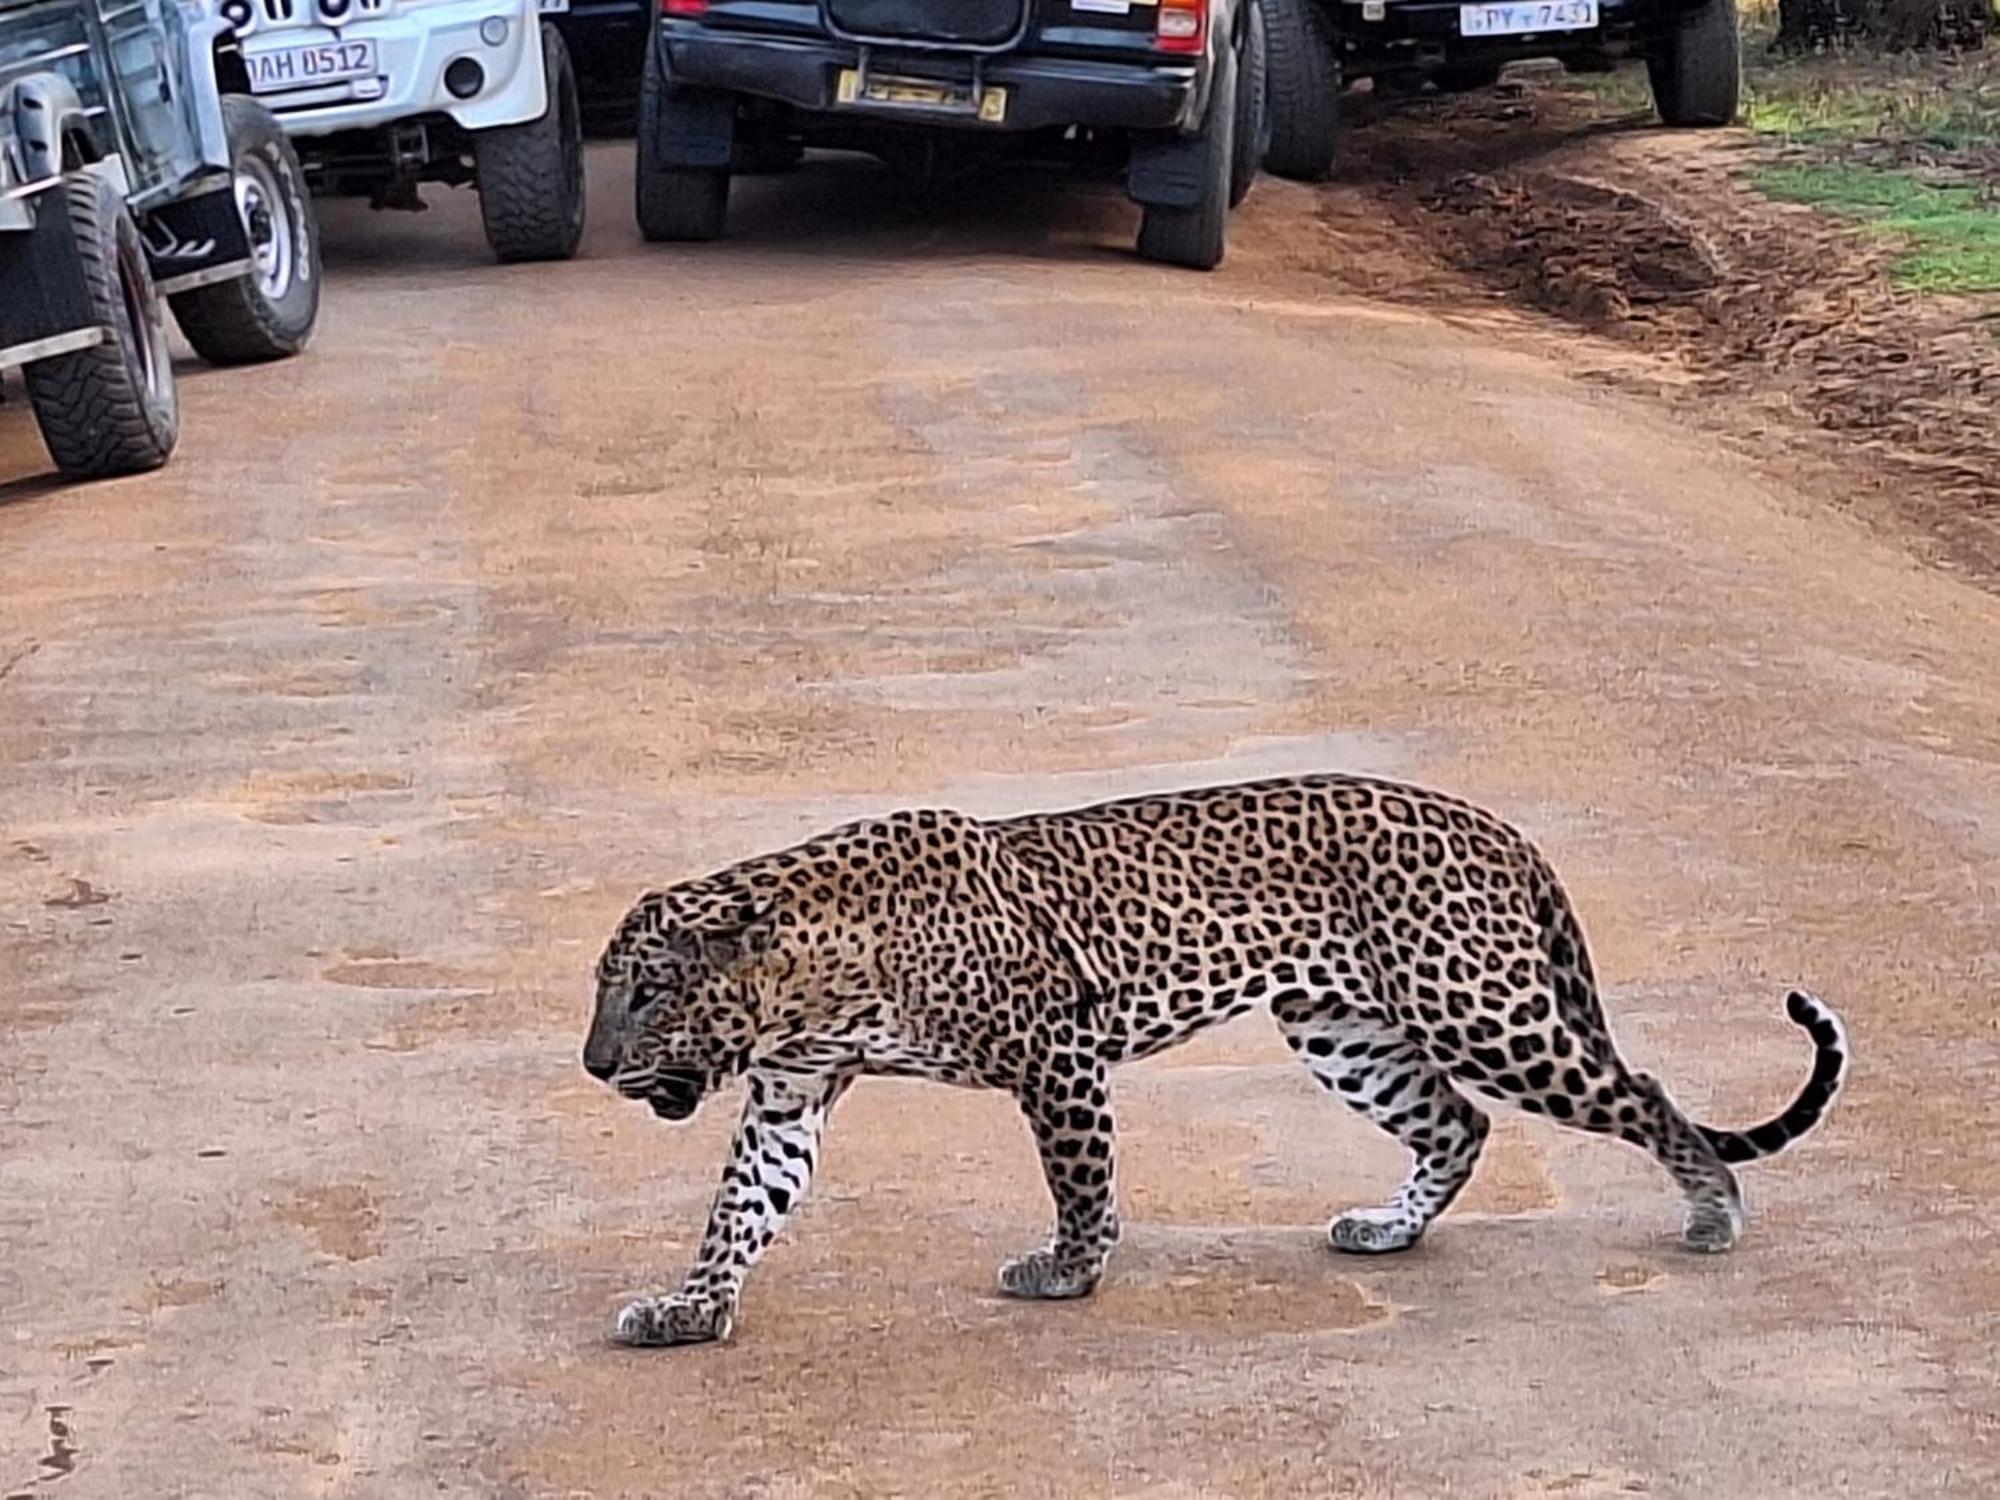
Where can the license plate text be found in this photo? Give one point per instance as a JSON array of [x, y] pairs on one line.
[[309, 67], [1523, 16]]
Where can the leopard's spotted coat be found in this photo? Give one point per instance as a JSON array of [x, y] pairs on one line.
[[1414, 950]]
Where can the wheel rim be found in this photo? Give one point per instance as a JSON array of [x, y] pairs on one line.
[[262, 206], [141, 332]]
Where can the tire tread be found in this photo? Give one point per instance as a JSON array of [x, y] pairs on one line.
[[96, 420], [673, 204], [521, 168], [232, 322], [1698, 79], [1196, 236], [1304, 83]]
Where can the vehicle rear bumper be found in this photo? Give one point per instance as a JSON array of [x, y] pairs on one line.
[[1407, 28], [1041, 91]]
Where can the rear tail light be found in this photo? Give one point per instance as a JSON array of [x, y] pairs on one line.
[[683, 7], [1182, 26]]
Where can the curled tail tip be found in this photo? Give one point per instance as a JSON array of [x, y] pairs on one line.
[[1820, 1020], [1805, 1007], [1830, 1057]]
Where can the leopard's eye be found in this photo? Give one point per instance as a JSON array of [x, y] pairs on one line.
[[643, 995]]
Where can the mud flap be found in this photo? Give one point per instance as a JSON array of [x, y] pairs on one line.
[[43, 298], [693, 127], [192, 242], [1167, 171]]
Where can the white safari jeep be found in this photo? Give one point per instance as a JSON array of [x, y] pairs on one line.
[[380, 96]]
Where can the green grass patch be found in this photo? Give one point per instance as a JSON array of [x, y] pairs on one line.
[[1951, 103], [1831, 116], [1951, 233], [1858, 98]]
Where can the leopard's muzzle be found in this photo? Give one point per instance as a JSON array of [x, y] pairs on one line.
[[674, 1094]]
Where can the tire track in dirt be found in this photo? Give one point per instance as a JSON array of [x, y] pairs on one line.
[[1772, 322]]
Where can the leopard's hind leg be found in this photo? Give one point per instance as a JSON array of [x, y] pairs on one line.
[[1540, 1043], [1376, 1070], [1599, 1094]]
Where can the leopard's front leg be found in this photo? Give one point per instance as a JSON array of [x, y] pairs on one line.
[[1068, 1104], [770, 1167]]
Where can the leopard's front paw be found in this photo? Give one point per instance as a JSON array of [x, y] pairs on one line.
[[1050, 1276], [652, 1322]]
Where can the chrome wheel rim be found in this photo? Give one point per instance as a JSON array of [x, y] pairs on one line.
[[269, 226]]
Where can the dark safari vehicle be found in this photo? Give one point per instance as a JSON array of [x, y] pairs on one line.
[[1319, 47], [125, 180], [1690, 47], [1170, 91]]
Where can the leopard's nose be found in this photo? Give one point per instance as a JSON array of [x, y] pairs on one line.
[[600, 1068]]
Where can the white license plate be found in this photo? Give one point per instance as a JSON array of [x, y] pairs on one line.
[[920, 93], [1519, 17], [309, 67]]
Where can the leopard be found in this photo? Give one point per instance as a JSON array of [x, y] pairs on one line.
[[1418, 954]]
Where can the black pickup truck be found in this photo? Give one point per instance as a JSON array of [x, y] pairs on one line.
[[1172, 90], [1319, 47], [606, 41], [1690, 47]]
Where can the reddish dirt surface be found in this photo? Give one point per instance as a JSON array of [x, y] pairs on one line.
[[1771, 323], [332, 752]]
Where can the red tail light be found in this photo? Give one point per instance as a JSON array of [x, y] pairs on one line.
[[1182, 26], [683, 7]]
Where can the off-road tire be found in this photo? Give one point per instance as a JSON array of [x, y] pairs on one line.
[[672, 203], [271, 310], [1303, 77], [531, 178], [1253, 106], [1697, 75], [1196, 236], [111, 409]]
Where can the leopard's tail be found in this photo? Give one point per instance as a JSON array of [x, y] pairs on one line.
[[1577, 1002], [1830, 1058]]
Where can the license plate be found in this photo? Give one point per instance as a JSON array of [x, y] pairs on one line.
[[1522, 16], [309, 67], [887, 92]]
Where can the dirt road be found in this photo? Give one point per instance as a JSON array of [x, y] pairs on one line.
[[329, 756]]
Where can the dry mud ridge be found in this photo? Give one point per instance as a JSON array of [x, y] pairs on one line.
[[1773, 325], [329, 755]]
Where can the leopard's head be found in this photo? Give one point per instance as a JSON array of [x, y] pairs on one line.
[[676, 1012]]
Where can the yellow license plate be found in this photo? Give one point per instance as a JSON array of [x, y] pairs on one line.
[[920, 93]]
